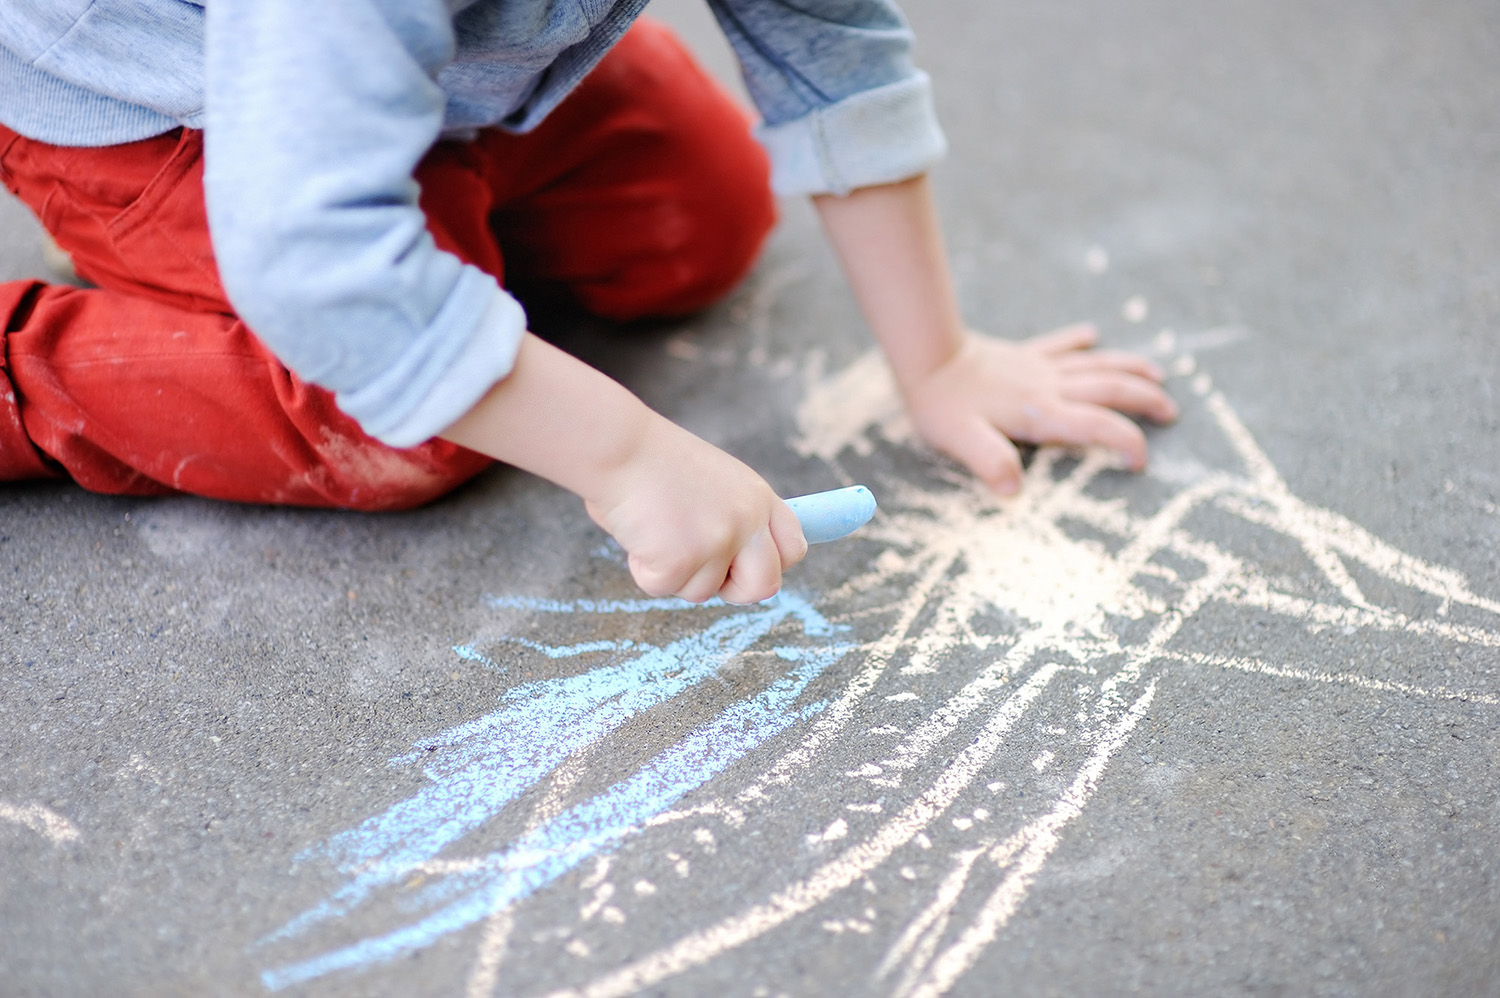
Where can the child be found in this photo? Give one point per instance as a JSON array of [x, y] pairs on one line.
[[353, 180]]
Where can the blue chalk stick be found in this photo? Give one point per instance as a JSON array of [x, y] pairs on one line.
[[827, 516]]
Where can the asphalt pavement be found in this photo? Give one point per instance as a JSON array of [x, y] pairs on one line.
[[1227, 727]]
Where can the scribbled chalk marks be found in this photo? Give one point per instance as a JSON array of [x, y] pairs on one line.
[[477, 769], [1078, 570], [914, 747]]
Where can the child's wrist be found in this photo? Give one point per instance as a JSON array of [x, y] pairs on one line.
[[912, 368], [614, 457]]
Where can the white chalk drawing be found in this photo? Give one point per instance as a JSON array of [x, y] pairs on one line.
[[888, 768]]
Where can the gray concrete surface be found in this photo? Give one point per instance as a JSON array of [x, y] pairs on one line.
[[1229, 727]]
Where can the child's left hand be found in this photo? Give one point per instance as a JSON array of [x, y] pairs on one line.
[[1050, 389]]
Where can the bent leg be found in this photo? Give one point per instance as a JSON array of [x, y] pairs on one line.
[[644, 192], [19, 459], [149, 384], [132, 396]]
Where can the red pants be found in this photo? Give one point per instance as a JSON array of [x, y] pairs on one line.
[[643, 194]]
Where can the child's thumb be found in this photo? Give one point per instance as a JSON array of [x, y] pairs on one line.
[[786, 532], [989, 454]]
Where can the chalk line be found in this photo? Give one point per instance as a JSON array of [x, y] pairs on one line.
[[1259, 667], [44, 821], [1034, 844], [855, 862], [485, 975]]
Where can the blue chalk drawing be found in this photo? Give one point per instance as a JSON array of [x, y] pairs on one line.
[[478, 768]]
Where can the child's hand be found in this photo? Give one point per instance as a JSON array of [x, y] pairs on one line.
[[1050, 389], [695, 522]]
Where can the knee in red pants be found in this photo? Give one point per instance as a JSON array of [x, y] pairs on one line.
[[19, 458], [205, 409], [644, 192], [156, 388]]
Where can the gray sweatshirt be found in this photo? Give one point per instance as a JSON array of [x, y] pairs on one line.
[[316, 112]]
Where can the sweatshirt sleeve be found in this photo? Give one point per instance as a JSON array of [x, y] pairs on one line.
[[317, 114], [843, 105]]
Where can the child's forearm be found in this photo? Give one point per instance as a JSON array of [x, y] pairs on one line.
[[891, 248], [558, 418]]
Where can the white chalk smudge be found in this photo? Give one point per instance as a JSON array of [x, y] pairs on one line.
[[832, 833], [840, 412], [484, 978], [41, 820]]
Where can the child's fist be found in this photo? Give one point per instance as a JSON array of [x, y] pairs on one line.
[[695, 522]]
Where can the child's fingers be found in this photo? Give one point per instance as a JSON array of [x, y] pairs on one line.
[[989, 454], [1122, 392], [705, 583], [786, 532], [657, 578], [755, 573], [1084, 425], [681, 569], [1079, 336], [1111, 360]]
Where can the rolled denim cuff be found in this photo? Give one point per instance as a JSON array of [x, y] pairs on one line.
[[877, 136], [487, 357]]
